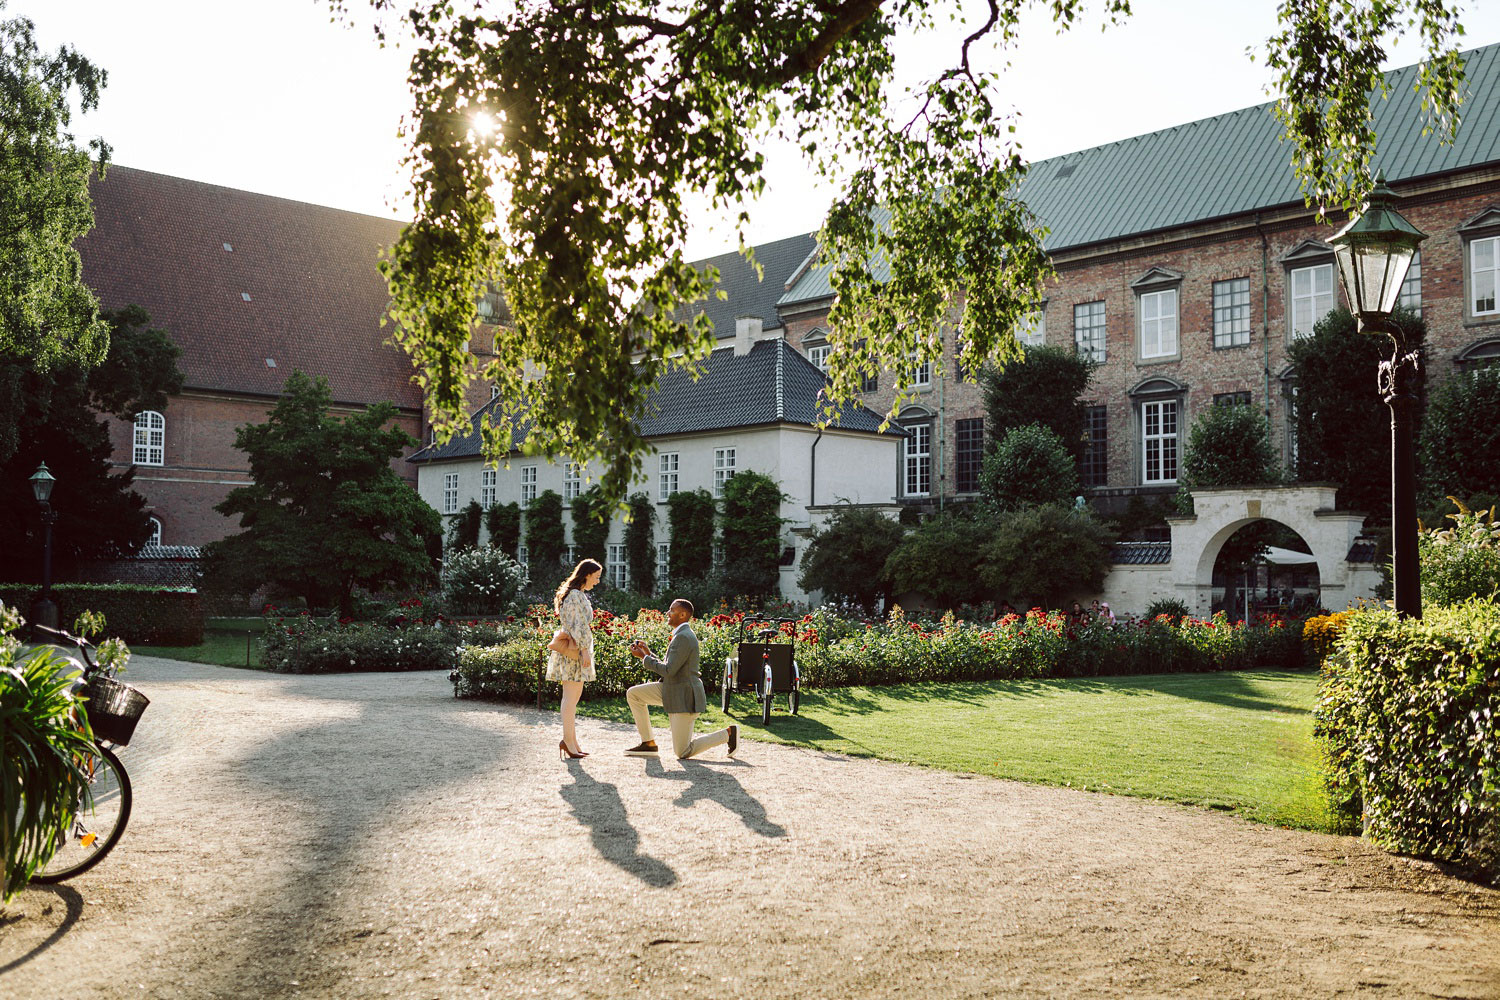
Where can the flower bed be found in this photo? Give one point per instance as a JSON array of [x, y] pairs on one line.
[[834, 651]]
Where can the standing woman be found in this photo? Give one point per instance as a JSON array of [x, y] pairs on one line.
[[577, 613]]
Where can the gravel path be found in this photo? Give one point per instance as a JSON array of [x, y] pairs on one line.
[[368, 835]]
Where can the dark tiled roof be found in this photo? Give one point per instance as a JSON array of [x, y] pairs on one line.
[[747, 294], [771, 384], [1362, 551], [1228, 165], [167, 552], [316, 297], [1141, 553]]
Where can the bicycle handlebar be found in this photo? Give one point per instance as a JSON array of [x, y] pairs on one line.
[[82, 644]]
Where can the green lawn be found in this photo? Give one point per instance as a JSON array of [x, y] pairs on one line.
[[224, 648], [1240, 741]]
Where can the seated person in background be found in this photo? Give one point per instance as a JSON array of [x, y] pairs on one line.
[[1106, 614]]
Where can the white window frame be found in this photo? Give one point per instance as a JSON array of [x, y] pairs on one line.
[[528, 484], [488, 487], [916, 461], [818, 355], [920, 375], [523, 555], [450, 493], [663, 565], [1158, 312], [1306, 306], [1492, 245], [149, 441], [1160, 440], [724, 468], [1231, 310], [155, 537], [1410, 296], [1032, 331], [668, 474], [572, 481], [615, 566], [1098, 351]]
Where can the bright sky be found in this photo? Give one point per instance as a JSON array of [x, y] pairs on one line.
[[272, 97]]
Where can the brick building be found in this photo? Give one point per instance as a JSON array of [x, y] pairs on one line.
[[251, 288], [1186, 262]]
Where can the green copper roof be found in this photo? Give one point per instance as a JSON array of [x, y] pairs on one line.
[[1228, 165]]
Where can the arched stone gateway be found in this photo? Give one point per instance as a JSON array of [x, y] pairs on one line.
[[1346, 572]]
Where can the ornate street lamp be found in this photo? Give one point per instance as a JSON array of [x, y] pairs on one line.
[[1374, 252], [43, 610]]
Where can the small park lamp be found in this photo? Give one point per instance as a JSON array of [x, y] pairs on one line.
[[43, 610], [1374, 252]]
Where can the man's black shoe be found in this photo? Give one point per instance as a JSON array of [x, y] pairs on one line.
[[643, 750], [734, 739]]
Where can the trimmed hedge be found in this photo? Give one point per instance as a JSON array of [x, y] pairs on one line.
[[302, 644], [136, 613], [1410, 718], [833, 651]]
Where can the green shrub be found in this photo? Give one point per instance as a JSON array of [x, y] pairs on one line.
[[463, 527], [941, 560], [137, 613], [1045, 553], [1463, 561], [640, 543], [690, 525], [1461, 436], [503, 523], [752, 534], [1030, 466], [482, 581], [1410, 720], [546, 541], [40, 754], [592, 515], [1170, 606], [846, 560], [1046, 388]]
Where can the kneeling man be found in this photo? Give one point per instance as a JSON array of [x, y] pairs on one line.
[[680, 692]]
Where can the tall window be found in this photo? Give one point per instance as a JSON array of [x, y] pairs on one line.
[[723, 469], [869, 382], [528, 483], [523, 555], [1411, 288], [1088, 329], [1095, 471], [1033, 330], [667, 482], [1484, 276], [918, 460], [663, 564], [968, 453], [920, 374], [488, 487], [818, 355], [450, 493], [150, 438], [1159, 440], [614, 565], [1232, 312], [1312, 297], [1159, 323], [572, 482], [155, 536]]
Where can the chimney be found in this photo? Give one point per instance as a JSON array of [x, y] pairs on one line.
[[746, 333]]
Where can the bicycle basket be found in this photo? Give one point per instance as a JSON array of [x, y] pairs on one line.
[[113, 708]]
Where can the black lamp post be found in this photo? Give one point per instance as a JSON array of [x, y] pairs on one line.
[[43, 610], [1374, 252]]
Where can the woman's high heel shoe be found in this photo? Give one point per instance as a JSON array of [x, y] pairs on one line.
[[563, 751]]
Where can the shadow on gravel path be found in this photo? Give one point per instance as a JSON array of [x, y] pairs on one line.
[[598, 806]]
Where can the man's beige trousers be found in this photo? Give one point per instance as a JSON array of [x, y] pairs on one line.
[[684, 743]]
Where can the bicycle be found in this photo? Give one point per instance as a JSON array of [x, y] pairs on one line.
[[113, 709]]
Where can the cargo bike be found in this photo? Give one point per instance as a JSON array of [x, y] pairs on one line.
[[765, 668]]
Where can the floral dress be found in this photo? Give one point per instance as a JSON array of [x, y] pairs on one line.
[[577, 614]]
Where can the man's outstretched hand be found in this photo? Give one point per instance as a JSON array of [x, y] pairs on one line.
[[639, 649]]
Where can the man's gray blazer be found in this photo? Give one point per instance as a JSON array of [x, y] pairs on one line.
[[681, 687]]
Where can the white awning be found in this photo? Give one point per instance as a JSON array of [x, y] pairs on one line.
[[1286, 557]]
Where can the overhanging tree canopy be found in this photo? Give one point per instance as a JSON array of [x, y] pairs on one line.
[[552, 145]]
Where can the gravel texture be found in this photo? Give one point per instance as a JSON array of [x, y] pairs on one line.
[[368, 836]]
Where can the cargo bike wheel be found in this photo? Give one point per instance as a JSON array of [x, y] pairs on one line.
[[100, 822]]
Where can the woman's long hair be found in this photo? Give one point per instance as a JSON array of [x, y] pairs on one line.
[[574, 581]]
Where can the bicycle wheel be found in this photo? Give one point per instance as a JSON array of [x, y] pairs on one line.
[[98, 826]]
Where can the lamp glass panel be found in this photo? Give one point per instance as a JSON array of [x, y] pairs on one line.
[[41, 487]]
